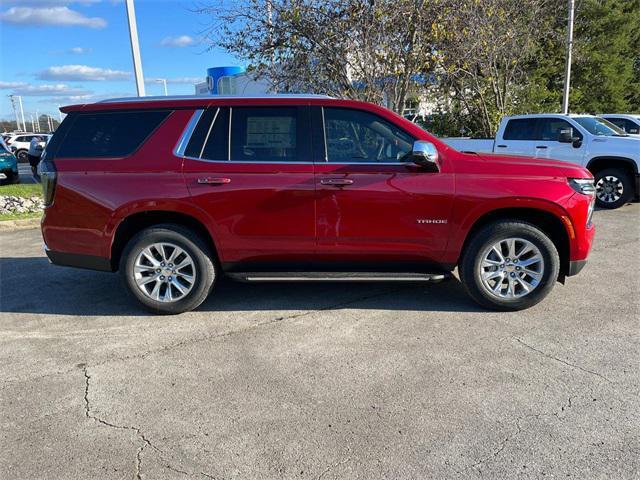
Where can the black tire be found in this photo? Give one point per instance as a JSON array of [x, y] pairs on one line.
[[22, 156], [11, 179], [193, 245], [615, 177], [470, 264]]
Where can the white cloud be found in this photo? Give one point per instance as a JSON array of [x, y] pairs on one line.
[[49, 90], [60, 16], [177, 42], [80, 50], [6, 85], [82, 73]]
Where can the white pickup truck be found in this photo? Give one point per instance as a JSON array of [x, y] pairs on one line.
[[611, 155]]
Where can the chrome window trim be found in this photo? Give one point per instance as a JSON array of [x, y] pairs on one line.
[[181, 146], [324, 135], [229, 133], [258, 162]]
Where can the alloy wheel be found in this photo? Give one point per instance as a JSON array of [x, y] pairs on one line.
[[609, 189], [511, 268], [164, 272]]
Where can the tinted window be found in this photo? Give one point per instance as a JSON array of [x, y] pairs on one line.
[[550, 129], [632, 127], [109, 134], [520, 129], [265, 134], [599, 127], [618, 122], [210, 138], [359, 136]]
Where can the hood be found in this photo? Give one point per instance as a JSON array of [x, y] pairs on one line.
[[627, 145], [530, 166]]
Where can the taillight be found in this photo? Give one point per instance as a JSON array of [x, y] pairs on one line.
[[47, 176]]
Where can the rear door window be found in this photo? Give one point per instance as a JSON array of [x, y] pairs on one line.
[[267, 134], [109, 134], [520, 129]]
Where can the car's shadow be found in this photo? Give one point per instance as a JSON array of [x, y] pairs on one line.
[[32, 285]]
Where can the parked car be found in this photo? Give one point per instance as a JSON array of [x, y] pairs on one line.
[[630, 124], [606, 151], [174, 192], [19, 144], [8, 165]]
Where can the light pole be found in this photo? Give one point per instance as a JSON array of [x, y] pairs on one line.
[[567, 70], [24, 125], [163, 81], [135, 48], [37, 122]]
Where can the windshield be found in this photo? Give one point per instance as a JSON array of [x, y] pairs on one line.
[[600, 126]]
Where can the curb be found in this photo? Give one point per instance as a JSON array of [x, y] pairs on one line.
[[22, 224]]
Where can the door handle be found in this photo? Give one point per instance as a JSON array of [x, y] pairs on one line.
[[337, 182], [214, 180], [502, 146], [541, 146]]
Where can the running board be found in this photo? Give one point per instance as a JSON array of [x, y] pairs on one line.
[[337, 277]]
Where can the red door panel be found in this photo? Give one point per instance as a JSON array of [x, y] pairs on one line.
[[263, 212], [385, 213]]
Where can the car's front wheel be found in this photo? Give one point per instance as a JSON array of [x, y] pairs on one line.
[[509, 265], [168, 268]]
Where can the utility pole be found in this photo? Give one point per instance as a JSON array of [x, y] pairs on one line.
[[164, 82], [567, 70], [135, 48]]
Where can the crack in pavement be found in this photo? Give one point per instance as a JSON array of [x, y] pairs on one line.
[[564, 362], [331, 467], [88, 413], [501, 447], [145, 441]]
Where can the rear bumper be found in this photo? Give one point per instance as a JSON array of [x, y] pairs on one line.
[[79, 261], [575, 267]]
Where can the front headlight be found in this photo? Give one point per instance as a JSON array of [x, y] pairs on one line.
[[582, 185]]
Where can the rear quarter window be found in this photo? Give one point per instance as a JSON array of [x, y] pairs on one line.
[[109, 134]]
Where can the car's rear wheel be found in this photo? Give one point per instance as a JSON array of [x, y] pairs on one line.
[[614, 187], [168, 268], [509, 265]]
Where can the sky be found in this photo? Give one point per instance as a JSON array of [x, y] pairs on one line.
[[61, 52]]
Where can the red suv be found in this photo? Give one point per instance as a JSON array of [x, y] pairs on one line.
[[175, 192]]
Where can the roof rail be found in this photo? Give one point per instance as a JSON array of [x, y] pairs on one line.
[[208, 97]]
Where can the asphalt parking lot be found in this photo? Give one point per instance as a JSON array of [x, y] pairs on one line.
[[320, 381]]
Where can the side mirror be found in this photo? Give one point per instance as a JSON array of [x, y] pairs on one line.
[[425, 155]]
